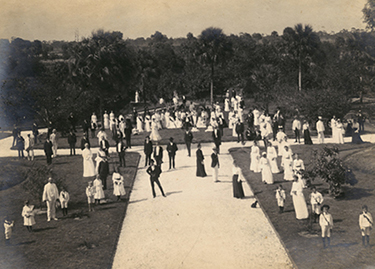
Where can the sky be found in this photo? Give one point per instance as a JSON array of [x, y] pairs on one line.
[[62, 19]]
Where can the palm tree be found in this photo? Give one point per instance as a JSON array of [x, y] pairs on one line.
[[214, 48], [302, 43]]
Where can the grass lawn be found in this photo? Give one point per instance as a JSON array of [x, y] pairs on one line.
[[80, 240], [302, 240]]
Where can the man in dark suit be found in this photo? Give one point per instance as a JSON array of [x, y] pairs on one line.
[[158, 154], [216, 135], [128, 133], [239, 130], [84, 140], [48, 150], [147, 149], [172, 148], [72, 139], [120, 148], [188, 139], [103, 169], [154, 171]]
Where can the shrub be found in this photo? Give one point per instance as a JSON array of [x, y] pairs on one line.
[[37, 177], [327, 166]]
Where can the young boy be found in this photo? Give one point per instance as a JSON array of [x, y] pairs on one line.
[[280, 197], [365, 223], [316, 199], [8, 227], [64, 199], [326, 224]]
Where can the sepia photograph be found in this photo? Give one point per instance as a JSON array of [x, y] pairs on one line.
[[187, 134]]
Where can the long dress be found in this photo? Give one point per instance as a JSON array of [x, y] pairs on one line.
[[147, 123], [356, 137], [272, 158], [226, 105], [28, 215], [106, 121], [154, 136], [265, 167], [201, 172], [167, 117], [254, 159], [88, 163], [286, 162], [299, 202], [237, 184], [118, 184], [99, 193], [340, 133], [306, 134]]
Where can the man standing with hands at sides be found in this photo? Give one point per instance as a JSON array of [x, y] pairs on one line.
[[158, 154], [48, 150], [326, 224], [50, 195], [172, 148], [215, 165], [120, 148], [84, 140], [147, 149], [296, 126], [365, 223], [154, 171], [103, 170], [320, 129], [72, 139], [216, 135], [188, 139]]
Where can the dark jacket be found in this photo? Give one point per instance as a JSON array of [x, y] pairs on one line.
[[103, 169], [72, 139], [188, 137], [172, 148], [154, 174], [147, 149], [239, 128], [48, 148], [217, 137], [160, 156], [214, 160], [20, 143]]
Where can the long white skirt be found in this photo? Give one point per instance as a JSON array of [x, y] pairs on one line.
[[254, 163], [300, 207], [267, 174]]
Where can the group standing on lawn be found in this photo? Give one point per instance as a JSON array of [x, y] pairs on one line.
[[262, 128]]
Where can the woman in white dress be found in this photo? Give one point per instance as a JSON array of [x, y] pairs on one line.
[[154, 136], [226, 105], [265, 167], [286, 162], [299, 202], [28, 216], [254, 158], [139, 124], [340, 131], [106, 120], [230, 119], [118, 185], [148, 123], [272, 158], [234, 120], [167, 115], [172, 123], [88, 162], [99, 193]]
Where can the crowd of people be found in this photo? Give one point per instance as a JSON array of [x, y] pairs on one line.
[[271, 152]]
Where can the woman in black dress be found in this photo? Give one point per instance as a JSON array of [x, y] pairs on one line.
[[201, 172], [237, 184], [306, 133]]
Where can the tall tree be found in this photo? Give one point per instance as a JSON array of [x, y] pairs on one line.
[[302, 43], [369, 14], [214, 49]]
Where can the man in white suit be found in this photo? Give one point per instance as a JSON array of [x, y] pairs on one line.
[[320, 129], [50, 195]]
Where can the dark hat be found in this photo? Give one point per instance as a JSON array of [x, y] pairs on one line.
[[323, 206], [171, 139]]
